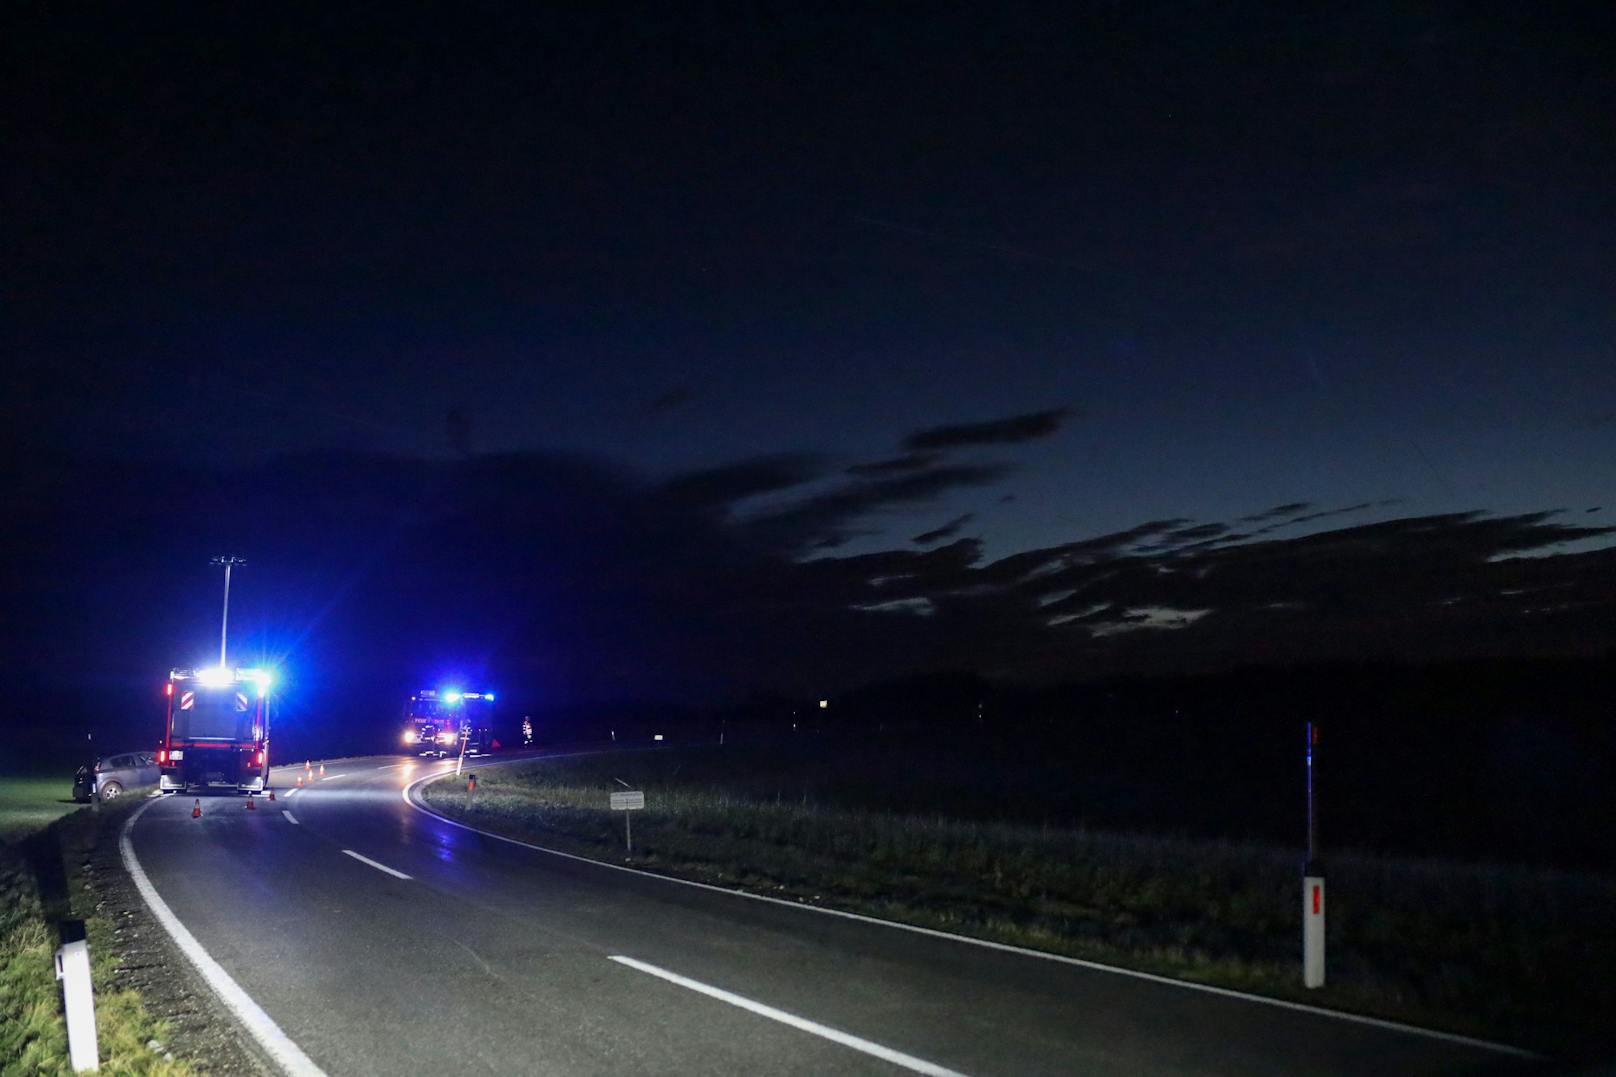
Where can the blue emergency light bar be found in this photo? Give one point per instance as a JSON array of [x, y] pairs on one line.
[[450, 695]]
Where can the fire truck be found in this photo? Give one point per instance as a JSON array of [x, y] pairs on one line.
[[217, 735], [437, 720]]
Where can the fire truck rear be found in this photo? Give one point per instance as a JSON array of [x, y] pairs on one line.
[[217, 736]]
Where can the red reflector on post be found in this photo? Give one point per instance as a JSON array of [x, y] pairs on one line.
[[1316, 901]]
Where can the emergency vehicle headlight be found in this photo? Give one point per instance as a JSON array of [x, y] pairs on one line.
[[409, 736]]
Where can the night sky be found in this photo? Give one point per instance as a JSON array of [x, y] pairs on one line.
[[949, 332]]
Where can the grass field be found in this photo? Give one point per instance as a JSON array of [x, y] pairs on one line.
[[1492, 951], [42, 881], [30, 801]]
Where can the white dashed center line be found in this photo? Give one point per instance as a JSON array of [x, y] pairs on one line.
[[379, 867]]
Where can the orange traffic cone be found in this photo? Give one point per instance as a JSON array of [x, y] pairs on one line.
[[322, 768], [308, 767], [250, 805], [196, 811], [300, 781], [272, 796]]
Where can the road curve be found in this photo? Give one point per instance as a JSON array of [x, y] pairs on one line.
[[380, 939]]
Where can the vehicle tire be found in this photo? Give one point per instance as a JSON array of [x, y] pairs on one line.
[[111, 791]]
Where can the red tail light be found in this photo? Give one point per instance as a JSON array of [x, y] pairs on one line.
[[162, 755], [168, 689], [258, 760]]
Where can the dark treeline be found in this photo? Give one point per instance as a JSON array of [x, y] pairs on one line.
[[1506, 761]]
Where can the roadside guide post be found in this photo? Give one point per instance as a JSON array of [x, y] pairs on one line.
[[628, 803], [78, 999], [1312, 881]]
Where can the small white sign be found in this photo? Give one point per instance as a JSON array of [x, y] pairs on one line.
[[628, 801]]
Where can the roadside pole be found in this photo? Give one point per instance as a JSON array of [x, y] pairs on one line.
[[1312, 880]]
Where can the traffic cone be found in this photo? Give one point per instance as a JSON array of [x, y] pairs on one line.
[[196, 811], [322, 768], [471, 784], [300, 781], [272, 796], [308, 767], [250, 805]]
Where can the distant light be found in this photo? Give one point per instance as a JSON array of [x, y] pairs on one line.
[[823, 703], [489, 696], [657, 736], [451, 695]]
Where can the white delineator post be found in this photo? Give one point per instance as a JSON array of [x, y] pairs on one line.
[[78, 997], [1312, 883], [1313, 931]]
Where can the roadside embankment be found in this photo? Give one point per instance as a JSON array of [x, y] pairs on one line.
[[1490, 951], [150, 1017]]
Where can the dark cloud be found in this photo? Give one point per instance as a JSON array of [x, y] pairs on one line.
[[725, 485], [914, 461], [812, 519], [1290, 508], [1007, 431], [1197, 533], [577, 580], [926, 538], [1310, 517]]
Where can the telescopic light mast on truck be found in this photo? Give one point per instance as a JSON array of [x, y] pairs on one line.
[[217, 728]]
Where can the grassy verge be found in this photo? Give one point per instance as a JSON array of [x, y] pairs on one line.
[[1491, 951], [43, 879]]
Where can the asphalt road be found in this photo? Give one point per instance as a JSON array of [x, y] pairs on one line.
[[383, 940]]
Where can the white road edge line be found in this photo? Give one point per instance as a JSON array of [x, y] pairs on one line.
[[390, 766], [988, 944], [334, 777], [279, 1046], [379, 867], [290, 818], [857, 1043], [294, 791]]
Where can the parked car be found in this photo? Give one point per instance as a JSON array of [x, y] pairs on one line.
[[110, 776]]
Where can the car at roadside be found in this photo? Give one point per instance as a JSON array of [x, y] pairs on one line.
[[110, 776]]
